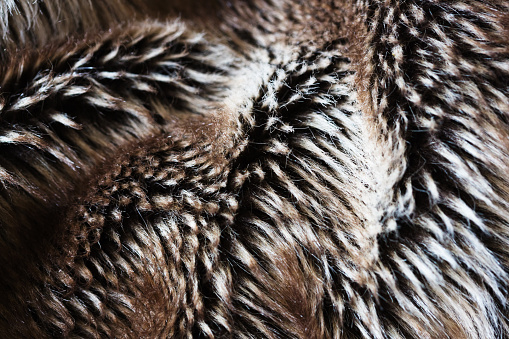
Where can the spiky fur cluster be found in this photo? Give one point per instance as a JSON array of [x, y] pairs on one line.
[[254, 169]]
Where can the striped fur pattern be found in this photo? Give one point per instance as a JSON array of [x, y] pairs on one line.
[[255, 169]]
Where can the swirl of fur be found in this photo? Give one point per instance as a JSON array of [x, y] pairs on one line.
[[254, 169]]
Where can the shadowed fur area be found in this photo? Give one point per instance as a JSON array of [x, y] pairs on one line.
[[254, 169]]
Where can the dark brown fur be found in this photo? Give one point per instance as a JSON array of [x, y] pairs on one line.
[[254, 169]]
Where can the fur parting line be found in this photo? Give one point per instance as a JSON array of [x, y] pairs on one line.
[[254, 169]]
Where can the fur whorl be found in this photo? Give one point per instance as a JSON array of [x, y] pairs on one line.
[[254, 169]]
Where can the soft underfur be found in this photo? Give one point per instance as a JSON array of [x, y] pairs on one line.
[[254, 169]]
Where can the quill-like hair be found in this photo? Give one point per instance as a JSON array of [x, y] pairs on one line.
[[254, 169]]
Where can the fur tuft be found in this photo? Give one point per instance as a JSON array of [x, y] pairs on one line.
[[265, 168]]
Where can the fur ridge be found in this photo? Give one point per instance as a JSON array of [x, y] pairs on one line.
[[254, 169]]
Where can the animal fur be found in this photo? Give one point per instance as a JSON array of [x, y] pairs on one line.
[[254, 169]]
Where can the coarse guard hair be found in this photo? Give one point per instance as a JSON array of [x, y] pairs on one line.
[[254, 169]]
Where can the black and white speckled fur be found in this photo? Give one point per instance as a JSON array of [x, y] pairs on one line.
[[254, 169]]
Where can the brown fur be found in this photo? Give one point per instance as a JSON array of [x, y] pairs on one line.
[[254, 169]]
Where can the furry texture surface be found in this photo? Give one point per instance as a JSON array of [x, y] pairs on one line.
[[254, 169]]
